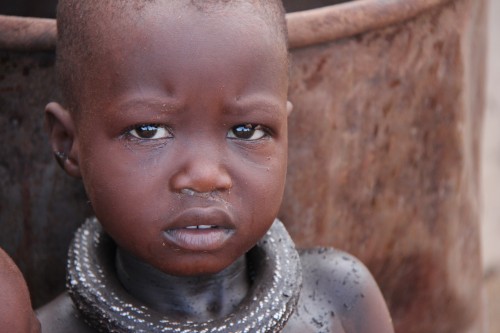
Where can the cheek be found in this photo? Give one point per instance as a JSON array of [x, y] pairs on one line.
[[263, 184], [120, 186], [128, 208]]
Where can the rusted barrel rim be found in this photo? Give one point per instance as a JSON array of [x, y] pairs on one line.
[[306, 28], [27, 33], [334, 22]]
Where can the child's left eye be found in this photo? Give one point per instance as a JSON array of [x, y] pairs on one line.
[[150, 132], [247, 132]]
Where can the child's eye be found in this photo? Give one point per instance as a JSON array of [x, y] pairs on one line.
[[247, 132], [150, 132]]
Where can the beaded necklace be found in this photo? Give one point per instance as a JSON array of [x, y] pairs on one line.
[[105, 305]]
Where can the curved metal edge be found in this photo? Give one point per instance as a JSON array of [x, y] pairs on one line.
[[27, 33], [329, 23], [305, 28]]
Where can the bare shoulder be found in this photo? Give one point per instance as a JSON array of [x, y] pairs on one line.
[[61, 316], [339, 295]]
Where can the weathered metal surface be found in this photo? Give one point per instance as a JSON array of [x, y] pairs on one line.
[[25, 34], [326, 23], [40, 206], [383, 163]]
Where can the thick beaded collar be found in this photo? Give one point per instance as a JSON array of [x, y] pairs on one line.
[[105, 306]]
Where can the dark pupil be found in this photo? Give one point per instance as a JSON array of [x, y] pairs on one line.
[[146, 131], [244, 132]]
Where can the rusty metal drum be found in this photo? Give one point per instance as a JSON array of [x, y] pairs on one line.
[[383, 161], [384, 144], [40, 206]]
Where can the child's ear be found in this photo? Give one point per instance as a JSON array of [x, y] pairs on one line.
[[289, 107], [61, 130]]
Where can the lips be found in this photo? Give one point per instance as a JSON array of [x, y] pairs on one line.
[[200, 229]]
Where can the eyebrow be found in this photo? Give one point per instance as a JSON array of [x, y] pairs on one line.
[[268, 106], [160, 106], [265, 105]]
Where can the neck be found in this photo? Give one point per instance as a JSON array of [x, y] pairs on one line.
[[198, 298]]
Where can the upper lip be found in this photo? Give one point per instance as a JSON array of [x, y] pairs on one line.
[[207, 216]]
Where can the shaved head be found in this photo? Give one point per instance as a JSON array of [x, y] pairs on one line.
[[82, 27]]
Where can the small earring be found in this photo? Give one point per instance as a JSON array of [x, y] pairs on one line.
[[60, 158]]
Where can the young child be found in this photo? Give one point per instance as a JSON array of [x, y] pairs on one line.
[[175, 117], [16, 314]]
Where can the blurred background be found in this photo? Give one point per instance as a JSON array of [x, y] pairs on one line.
[[490, 146], [491, 172], [34, 8]]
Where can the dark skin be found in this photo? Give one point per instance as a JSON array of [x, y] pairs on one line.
[[16, 314], [181, 142]]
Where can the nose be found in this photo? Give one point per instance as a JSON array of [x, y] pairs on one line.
[[201, 171]]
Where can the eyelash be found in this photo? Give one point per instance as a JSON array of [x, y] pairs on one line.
[[248, 129], [244, 132], [133, 133]]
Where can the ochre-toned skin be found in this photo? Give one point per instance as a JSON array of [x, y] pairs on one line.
[[197, 86], [195, 78], [16, 314]]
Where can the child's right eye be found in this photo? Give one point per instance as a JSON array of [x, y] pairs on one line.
[[247, 132], [150, 132]]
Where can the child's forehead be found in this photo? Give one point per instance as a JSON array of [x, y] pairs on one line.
[[195, 33], [171, 29], [210, 39], [179, 19]]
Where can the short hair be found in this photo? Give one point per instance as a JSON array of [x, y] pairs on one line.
[[76, 18]]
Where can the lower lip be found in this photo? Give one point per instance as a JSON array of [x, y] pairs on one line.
[[199, 240]]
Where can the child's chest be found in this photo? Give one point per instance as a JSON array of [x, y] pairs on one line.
[[314, 314]]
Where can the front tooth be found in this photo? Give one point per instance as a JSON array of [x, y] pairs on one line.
[[204, 227], [191, 227]]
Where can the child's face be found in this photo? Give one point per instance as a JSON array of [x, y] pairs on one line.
[[185, 128]]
